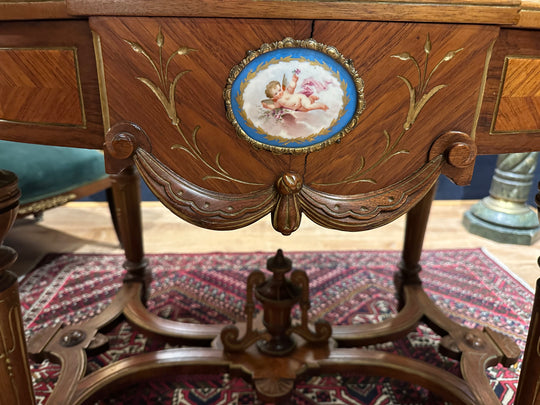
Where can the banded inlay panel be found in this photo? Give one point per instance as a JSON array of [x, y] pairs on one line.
[[518, 107], [40, 86]]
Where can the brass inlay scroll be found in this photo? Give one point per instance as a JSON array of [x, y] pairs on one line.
[[165, 90], [418, 98]]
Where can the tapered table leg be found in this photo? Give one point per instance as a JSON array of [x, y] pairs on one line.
[[127, 200], [68, 344], [15, 380], [475, 349], [415, 229], [528, 392]]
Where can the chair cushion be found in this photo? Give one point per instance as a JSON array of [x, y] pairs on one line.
[[46, 171]]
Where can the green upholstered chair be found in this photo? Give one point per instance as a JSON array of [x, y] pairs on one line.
[[50, 176]]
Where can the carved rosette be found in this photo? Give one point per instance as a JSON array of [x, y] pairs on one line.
[[459, 153]]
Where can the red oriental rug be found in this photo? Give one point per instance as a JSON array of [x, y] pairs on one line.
[[346, 288]]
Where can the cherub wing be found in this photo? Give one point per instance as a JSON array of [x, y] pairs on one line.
[[269, 103], [284, 82]]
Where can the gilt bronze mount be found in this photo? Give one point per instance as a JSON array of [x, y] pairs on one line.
[[294, 96]]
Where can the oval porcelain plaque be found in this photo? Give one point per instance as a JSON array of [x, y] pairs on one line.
[[294, 96]]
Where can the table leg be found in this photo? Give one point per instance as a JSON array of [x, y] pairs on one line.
[[127, 199], [415, 229], [528, 392], [15, 380]]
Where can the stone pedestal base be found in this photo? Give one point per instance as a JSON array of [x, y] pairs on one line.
[[504, 215], [503, 221]]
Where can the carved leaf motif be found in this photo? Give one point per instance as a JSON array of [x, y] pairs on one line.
[[425, 98], [139, 49], [184, 50], [450, 55], [160, 39], [427, 45], [403, 56], [172, 90], [412, 101]]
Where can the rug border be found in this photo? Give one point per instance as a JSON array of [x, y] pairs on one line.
[[499, 263]]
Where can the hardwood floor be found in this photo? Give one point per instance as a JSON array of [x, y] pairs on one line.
[[86, 227]]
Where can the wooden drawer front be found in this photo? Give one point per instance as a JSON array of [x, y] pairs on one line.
[[421, 81], [518, 108], [212, 47], [40, 86], [203, 51], [510, 118], [48, 84], [420, 86]]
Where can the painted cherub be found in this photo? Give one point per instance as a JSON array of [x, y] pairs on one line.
[[283, 96]]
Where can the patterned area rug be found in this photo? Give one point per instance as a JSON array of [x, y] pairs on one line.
[[346, 288]]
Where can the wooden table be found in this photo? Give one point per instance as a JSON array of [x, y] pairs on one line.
[[204, 98]]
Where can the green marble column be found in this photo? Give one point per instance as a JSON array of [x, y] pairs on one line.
[[504, 216]]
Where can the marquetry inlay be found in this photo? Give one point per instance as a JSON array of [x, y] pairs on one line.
[[518, 108], [41, 86]]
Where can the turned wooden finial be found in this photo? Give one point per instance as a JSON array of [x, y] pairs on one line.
[[279, 265], [278, 295]]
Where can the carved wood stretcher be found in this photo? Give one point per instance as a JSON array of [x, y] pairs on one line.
[[230, 117]]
